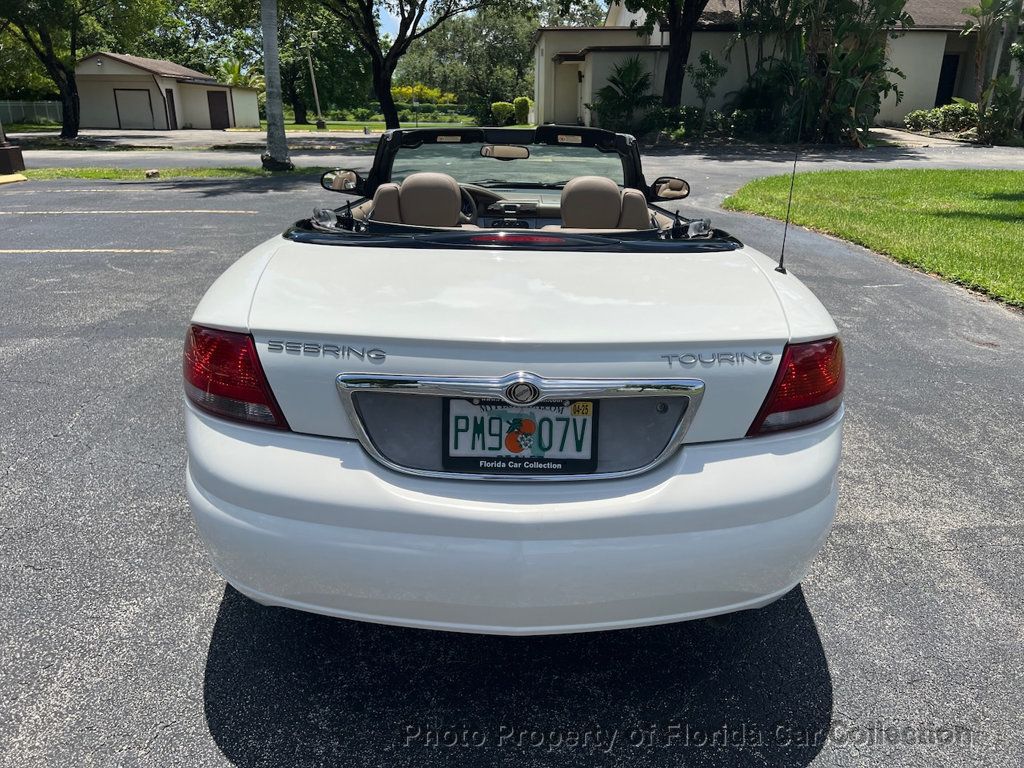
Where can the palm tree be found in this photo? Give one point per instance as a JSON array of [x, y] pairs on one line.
[[622, 104], [984, 22], [276, 156], [234, 72]]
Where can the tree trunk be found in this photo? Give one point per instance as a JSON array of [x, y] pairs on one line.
[[71, 119], [299, 108], [675, 67], [276, 156], [1011, 25], [62, 76], [680, 23], [383, 71]]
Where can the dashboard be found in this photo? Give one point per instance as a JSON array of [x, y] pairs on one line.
[[521, 210]]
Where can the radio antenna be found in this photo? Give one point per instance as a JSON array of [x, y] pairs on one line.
[[792, 181]]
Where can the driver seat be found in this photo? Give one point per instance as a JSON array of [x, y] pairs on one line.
[[423, 200]]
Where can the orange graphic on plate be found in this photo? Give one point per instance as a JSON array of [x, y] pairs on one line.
[[519, 436]]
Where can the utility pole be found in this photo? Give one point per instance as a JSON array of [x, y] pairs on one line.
[[320, 124]]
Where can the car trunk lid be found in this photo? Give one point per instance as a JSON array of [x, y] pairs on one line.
[[323, 310]]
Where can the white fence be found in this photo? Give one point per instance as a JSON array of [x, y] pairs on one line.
[[30, 111]]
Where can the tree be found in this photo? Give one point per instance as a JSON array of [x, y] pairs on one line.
[[984, 22], [1011, 35], [276, 156], [705, 77], [824, 72], [582, 13], [202, 34], [482, 57], [22, 77], [341, 65], [56, 30], [679, 19], [235, 71], [415, 19]]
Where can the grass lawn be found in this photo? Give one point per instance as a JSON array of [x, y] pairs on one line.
[[966, 226], [30, 127], [138, 174]]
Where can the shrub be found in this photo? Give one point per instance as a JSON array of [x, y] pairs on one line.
[[420, 92], [522, 107], [996, 124], [502, 112], [959, 116], [625, 103], [915, 121], [689, 118], [665, 119], [704, 78]]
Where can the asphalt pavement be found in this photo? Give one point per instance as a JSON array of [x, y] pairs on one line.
[[122, 647]]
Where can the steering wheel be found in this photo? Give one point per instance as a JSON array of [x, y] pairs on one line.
[[468, 213]]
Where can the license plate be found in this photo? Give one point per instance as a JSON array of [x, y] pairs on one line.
[[490, 436]]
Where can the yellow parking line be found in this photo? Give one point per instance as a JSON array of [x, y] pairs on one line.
[[86, 250], [66, 213]]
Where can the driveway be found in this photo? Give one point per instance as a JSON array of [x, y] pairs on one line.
[[121, 647]]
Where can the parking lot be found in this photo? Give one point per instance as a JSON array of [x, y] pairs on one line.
[[122, 647]]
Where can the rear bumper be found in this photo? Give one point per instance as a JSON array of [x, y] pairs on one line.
[[315, 524]]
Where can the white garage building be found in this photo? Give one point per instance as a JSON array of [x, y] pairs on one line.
[[130, 92]]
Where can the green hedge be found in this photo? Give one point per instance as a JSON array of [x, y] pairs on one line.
[[522, 109], [502, 112], [954, 118]]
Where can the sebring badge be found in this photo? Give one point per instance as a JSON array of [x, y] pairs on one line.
[[522, 393]]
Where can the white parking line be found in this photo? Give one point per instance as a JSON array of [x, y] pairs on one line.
[[60, 191], [86, 250], [66, 213]]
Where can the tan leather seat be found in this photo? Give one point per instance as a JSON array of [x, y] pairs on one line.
[[422, 200], [596, 202]]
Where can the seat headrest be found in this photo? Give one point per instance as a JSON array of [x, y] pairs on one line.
[[430, 200], [591, 202]]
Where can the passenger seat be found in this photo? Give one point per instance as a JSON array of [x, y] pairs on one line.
[[596, 202]]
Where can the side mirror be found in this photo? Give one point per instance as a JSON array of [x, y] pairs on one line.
[[669, 188], [342, 180]]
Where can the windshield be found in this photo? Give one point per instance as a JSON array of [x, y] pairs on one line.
[[547, 166]]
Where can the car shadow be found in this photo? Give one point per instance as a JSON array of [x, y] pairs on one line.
[[306, 178], [290, 688]]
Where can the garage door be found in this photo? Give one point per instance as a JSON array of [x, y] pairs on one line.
[[134, 108]]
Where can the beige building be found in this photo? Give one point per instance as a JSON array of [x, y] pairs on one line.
[[573, 63], [130, 92]]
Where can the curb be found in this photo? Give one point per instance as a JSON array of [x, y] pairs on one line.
[[11, 178]]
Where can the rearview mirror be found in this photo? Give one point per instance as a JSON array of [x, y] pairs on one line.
[[505, 151], [669, 188], [342, 180]]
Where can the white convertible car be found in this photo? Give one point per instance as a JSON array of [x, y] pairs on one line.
[[502, 390]]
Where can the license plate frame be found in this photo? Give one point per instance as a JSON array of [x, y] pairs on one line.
[[513, 465]]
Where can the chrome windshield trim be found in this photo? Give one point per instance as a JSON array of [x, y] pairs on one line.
[[494, 389]]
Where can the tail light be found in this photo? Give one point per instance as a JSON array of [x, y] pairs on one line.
[[223, 376], [808, 387]]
